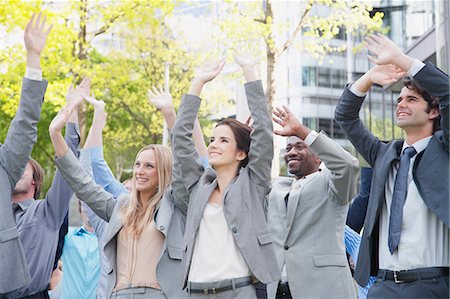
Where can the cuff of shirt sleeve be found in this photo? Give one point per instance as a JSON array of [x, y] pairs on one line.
[[357, 92], [311, 137], [415, 67], [96, 153], [33, 74]]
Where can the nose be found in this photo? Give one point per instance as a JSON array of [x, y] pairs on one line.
[[401, 103]]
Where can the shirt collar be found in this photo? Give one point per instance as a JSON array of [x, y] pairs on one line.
[[80, 231], [418, 145], [25, 204]]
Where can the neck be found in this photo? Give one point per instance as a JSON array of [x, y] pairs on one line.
[[144, 197], [225, 175], [88, 227], [22, 196], [416, 134], [297, 177]]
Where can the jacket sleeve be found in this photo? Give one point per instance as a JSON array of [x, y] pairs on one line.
[[56, 204], [261, 146], [436, 83], [185, 154], [22, 134], [347, 117], [343, 166], [100, 201]]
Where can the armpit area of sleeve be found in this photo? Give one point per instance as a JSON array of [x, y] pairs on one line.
[[66, 161]]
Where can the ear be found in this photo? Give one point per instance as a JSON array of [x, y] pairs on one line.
[[241, 155], [434, 112]]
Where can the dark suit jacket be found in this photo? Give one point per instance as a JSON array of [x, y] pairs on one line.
[[430, 169], [14, 156]]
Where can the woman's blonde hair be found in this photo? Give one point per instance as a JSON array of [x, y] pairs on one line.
[[138, 213]]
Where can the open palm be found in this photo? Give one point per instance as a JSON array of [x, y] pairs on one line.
[[36, 34]]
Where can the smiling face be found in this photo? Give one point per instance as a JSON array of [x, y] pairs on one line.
[[145, 172], [299, 158], [413, 111], [223, 149]]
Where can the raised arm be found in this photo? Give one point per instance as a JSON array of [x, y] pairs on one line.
[[70, 168], [261, 146], [22, 134], [56, 204], [162, 100], [342, 165], [94, 148], [185, 154]]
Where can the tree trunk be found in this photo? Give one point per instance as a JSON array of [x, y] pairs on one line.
[[82, 56]]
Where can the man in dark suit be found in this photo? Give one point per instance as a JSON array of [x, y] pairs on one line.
[[406, 230], [14, 156]]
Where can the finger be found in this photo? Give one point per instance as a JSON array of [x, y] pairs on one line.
[[30, 23], [277, 120], [36, 24], [151, 94], [278, 132], [276, 112], [41, 26], [287, 110], [372, 59], [155, 90], [372, 39], [48, 30]]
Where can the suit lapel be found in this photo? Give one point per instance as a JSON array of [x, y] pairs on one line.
[[294, 198], [199, 206]]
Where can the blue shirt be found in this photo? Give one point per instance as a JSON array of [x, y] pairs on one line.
[[81, 265], [352, 240]]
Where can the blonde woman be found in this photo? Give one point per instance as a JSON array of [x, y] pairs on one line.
[[145, 230]]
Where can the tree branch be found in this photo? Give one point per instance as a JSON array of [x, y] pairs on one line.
[[108, 24], [294, 34], [136, 118]]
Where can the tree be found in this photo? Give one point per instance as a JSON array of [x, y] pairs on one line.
[[256, 20], [122, 45]]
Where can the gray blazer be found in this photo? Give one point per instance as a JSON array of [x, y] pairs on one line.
[[243, 198], [430, 170], [309, 234], [169, 219], [14, 156]]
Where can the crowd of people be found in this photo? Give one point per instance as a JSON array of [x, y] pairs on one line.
[[209, 221]]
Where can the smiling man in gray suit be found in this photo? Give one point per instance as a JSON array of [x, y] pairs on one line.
[[306, 215], [14, 156]]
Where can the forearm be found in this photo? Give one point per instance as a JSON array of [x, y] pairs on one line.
[[343, 166], [100, 201], [261, 145], [199, 141], [59, 144], [196, 87], [95, 136], [169, 116], [183, 146], [34, 60], [249, 73]]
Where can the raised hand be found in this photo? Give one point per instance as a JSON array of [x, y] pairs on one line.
[[160, 98], [98, 105], [244, 59], [247, 62], [75, 94], [100, 114], [385, 74], [60, 120], [209, 71], [289, 123], [387, 52], [36, 35]]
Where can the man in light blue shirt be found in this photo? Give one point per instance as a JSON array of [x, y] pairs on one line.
[[81, 261]]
